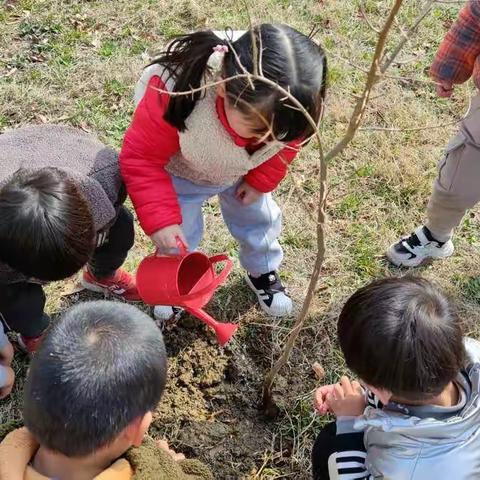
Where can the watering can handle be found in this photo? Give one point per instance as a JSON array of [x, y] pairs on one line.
[[182, 248], [219, 279], [222, 276]]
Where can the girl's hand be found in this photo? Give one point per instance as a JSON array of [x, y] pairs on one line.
[[7, 388], [444, 89], [165, 239], [246, 194], [347, 399], [320, 398], [164, 446], [6, 355]]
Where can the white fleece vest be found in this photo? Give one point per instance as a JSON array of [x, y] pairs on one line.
[[208, 154]]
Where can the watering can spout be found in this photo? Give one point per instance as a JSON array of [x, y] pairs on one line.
[[223, 331]]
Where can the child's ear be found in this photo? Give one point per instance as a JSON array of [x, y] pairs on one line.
[[138, 428], [221, 90]]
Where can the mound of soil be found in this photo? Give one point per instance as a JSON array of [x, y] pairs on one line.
[[207, 410]]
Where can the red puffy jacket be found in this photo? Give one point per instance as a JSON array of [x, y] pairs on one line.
[[149, 144]]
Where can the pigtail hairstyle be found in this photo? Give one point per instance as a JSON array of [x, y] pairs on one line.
[[186, 61], [289, 58]]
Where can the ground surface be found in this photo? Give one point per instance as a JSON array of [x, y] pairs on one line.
[[76, 62]]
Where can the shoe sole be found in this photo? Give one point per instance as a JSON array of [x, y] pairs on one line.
[[399, 262], [262, 305], [92, 287]]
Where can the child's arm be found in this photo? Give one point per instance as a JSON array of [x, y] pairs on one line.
[[147, 147], [266, 177], [459, 50], [346, 400], [16, 452]]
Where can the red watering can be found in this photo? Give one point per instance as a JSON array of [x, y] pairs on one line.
[[187, 280]]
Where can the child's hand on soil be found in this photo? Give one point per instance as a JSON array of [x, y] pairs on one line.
[[6, 355], [7, 388], [164, 446], [319, 401], [165, 239], [347, 399], [246, 194]]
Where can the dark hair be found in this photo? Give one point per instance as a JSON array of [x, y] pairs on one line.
[[46, 228], [289, 58], [402, 334], [100, 367]]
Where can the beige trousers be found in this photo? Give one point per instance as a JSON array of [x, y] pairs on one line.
[[457, 187]]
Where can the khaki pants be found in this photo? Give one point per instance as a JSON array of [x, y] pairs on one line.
[[457, 187]]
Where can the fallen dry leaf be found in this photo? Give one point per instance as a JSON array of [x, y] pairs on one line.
[[319, 370]]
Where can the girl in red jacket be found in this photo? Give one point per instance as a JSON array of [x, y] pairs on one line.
[[233, 141]]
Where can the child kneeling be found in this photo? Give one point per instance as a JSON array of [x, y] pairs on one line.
[[417, 415], [89, 397]]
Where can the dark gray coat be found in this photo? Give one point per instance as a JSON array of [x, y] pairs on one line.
[[93, 166]]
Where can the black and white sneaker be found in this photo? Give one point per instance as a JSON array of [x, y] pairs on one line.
[[418, 247], [271, 294]]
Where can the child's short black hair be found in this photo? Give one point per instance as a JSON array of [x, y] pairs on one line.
[[46, 227], [100, 367], [402, 334]]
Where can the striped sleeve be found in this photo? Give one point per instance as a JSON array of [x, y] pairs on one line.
[[348, 462], [373, 400]]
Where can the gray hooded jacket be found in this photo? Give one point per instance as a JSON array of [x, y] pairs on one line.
[[90, 163], [427, 442]]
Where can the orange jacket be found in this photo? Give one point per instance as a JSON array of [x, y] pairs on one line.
[[18, 448]]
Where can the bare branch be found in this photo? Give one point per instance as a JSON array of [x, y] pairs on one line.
[[265, 80], [384, 75], [374, 74], [419, 129], [367, 20], [372, 78], [426, 9], [203, 87], [260, 52], [268, 402], [246, 74], [253, 40], [357, 115], [315, 29]]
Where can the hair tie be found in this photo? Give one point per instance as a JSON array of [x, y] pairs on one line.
[[220, 49], [215, 61]]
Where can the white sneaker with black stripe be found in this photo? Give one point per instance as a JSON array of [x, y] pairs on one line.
[[420, 246], [272, 295]]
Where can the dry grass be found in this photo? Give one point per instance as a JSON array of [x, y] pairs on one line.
[[76, 62]]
